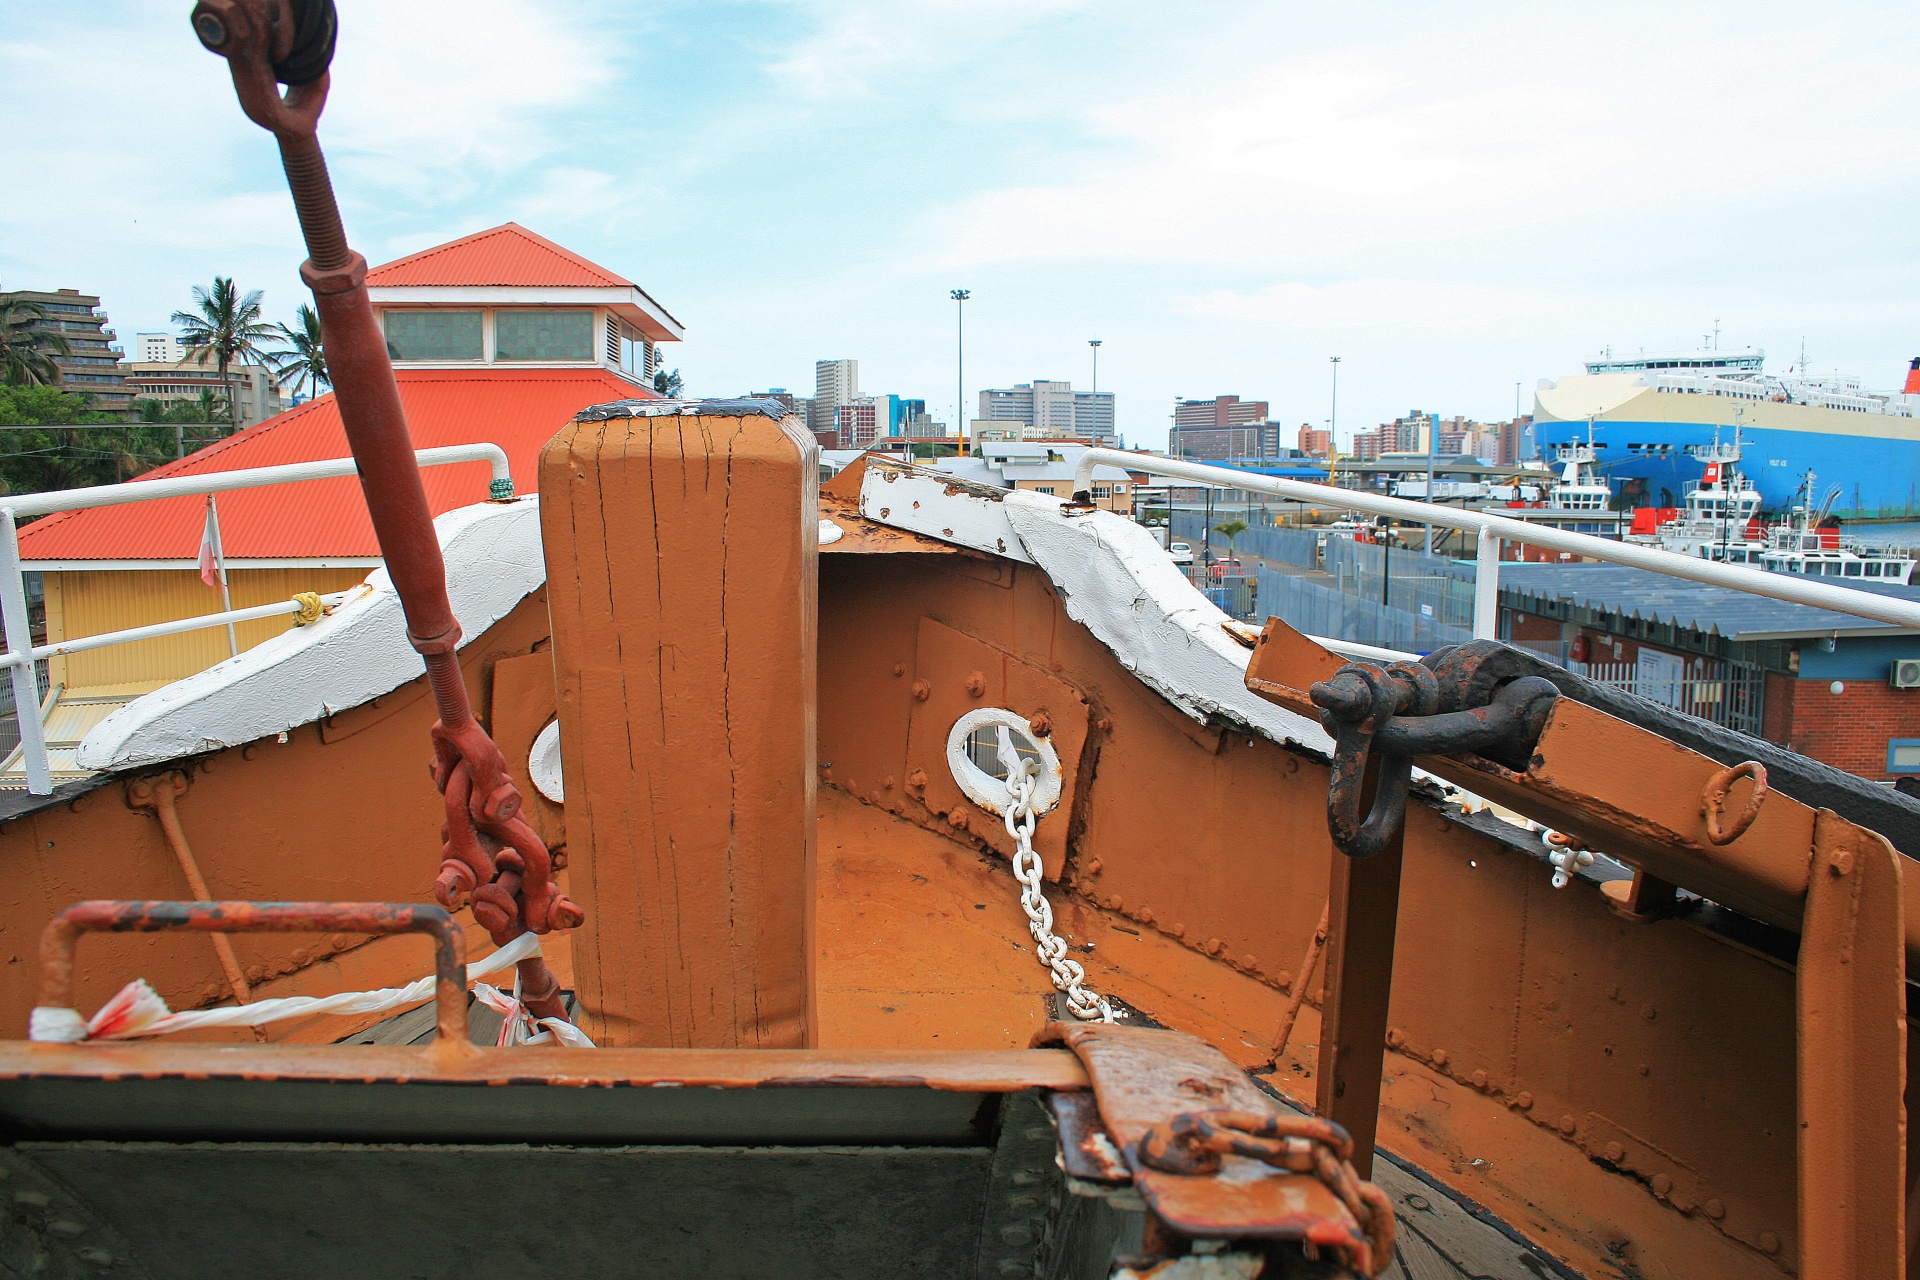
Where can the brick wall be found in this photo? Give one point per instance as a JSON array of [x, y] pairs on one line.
[[1849, 730]]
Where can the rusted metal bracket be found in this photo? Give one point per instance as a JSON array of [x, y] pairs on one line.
[[157, 796], [1209, 1155], [61, 937], [1438, 706]]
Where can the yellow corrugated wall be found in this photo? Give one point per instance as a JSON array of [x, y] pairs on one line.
[[90, 602]]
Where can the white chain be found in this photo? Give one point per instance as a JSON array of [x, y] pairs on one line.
[[1068, 976]]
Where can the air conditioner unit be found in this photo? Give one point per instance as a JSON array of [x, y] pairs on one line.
[[1905, 673]]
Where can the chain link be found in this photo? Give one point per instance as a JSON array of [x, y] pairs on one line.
[[1068, 976]]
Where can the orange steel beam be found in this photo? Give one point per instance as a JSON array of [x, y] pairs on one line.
[[1363, 910], [1614, 787], [1852, 1058]]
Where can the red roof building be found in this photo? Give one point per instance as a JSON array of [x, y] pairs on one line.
[[498, 337]]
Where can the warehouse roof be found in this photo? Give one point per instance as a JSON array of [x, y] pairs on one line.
[[1636, 593]]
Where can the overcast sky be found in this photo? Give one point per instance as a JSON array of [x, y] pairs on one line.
[[1454, 198]]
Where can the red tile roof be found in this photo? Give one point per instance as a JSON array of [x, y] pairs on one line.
[[517, 409], [507, 256]]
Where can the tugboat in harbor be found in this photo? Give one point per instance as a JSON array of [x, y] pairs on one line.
[[1809, 541]]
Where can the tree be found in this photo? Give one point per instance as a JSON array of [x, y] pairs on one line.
[[26, 350], [227, 330], [667, 383], [302, 362], [1230, 529], [67, 443]]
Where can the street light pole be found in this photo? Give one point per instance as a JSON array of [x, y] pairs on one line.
[[960, 297], [1333, 427], [1095, 344]]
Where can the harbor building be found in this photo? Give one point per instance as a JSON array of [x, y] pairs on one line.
[[497, 337], [1042, 466], [92, 366], [1052, 409]]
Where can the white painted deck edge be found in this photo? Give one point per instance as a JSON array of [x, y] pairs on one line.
[[360, 651], [1115, 579]]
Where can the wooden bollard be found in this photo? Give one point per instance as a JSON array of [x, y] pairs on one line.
[[682, 547]]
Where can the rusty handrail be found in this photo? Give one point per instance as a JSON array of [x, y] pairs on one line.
[[61, 937]]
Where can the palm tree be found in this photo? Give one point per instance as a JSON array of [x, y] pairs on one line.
[[26, 350], [1230, 530], [302, 362], [228, 330]]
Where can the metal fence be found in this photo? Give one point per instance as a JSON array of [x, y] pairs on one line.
[[1724, 693], [1318, 610]]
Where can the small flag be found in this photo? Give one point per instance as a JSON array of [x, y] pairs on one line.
[[213, 569]]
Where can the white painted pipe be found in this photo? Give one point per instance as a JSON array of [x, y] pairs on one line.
[[108, 495], [1759, 582], [178, 626], [26, 686]]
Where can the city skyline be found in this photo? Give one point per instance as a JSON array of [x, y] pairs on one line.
[[1423, 194]]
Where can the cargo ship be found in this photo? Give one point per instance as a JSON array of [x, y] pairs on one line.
[[1652, 411]]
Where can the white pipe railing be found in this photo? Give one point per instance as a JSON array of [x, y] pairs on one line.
[[20, 654], [1492, 529]]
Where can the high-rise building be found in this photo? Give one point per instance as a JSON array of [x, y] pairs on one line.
[[92, 365], [857, 425], [1051, 410], [1221, 411], [1221, 428], [1314, 442], [835, 382]]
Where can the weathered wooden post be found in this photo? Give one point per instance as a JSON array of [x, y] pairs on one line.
[[681, 542]]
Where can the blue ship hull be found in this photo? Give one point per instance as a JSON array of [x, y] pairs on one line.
[[1878, 477]]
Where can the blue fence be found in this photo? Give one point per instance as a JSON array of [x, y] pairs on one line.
[[1325, 611]]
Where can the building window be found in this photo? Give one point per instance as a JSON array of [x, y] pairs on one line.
[[544, 335], [433, 335], [1103, 491], [1043, 488], [1903, 755]]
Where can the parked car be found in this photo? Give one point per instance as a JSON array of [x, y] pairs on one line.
[[1226, 569], [1182, 552]]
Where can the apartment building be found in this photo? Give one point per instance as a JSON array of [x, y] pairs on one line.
[[92, 365]]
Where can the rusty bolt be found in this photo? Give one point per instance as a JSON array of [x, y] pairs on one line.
[[1715, 1209], [1524, 1101], [886, 783], [1841, 863], [1093, 867], [1480, 1079], [1179, 930], [1614, 1153], [1249, 962], [1648, 1012], [1769, 1242], [921, 689], [976, 684], [1104, 725], [1395, 1037], [1042, 724], [1291, 765], [1144, 915], [1568, 1125], [958, 818], [1662, 1185], [1440, 1057], [1213, 946], [917, 780], [1284, 979], [899, 668]]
